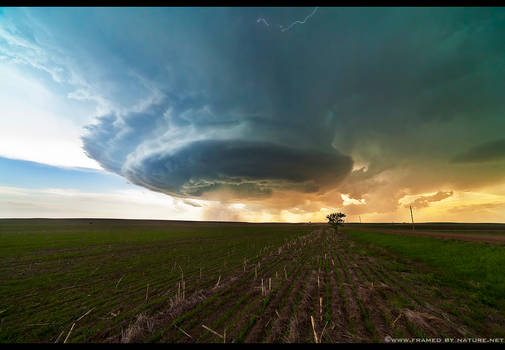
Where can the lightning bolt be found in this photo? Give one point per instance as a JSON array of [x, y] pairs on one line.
[[263, 20], [283, 29]]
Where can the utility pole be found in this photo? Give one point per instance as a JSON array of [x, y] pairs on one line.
[[412, 217], [360, 219]]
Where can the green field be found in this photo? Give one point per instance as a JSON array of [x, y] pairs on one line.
[[446, 227], [54, 271], [91, 280], [476, 269]]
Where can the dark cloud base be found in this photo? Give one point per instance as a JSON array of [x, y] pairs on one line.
[[249, 169], [486, 152]]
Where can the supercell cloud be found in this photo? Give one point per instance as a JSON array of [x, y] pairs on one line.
[[247, 108], [241, 109], [375, 103]]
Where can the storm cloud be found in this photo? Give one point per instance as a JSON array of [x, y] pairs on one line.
[[374, 103], [247, 168], [425, 201], [253, 110], [488, 152]]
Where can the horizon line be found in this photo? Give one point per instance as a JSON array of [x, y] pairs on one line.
[[253, 222]]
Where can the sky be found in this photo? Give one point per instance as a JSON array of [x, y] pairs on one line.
[[253, 114]]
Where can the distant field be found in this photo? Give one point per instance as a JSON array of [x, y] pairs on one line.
[[468, 266], [457, 228], [162, 281]]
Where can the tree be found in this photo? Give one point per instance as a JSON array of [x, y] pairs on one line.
[[336, 220]]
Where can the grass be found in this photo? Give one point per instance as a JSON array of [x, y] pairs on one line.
[[446, 227], [464, 266], [54, 271]]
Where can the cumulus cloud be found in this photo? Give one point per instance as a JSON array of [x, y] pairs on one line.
[[424, 201]]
